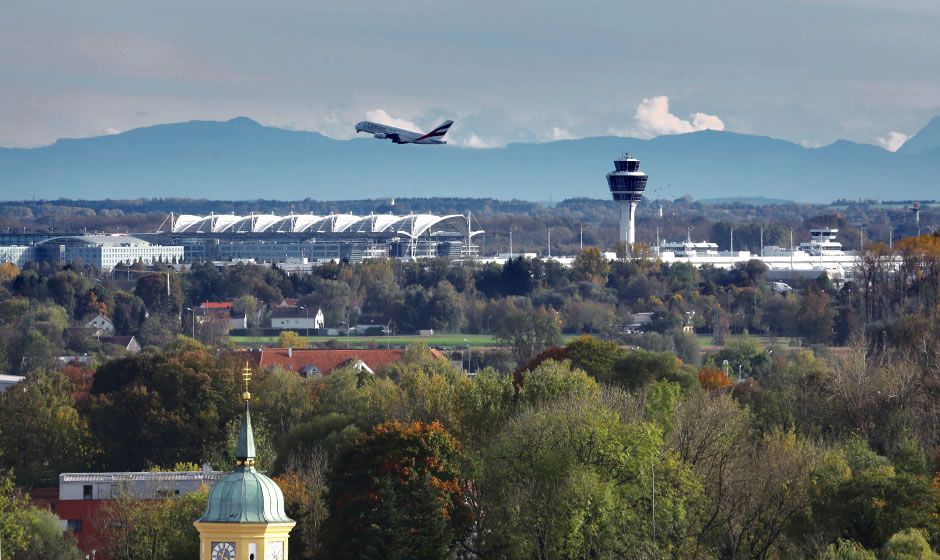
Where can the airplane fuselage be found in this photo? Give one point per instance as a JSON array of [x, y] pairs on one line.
[[402, 136]]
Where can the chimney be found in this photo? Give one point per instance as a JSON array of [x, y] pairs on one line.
[[290, 352]]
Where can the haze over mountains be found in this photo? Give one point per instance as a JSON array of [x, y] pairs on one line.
[[241, 159]]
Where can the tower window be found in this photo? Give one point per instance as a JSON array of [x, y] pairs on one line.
[[87, 492]]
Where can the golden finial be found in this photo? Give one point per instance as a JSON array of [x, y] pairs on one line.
[[246, 375]]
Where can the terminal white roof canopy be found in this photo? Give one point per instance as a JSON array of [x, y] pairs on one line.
[[411, 225]]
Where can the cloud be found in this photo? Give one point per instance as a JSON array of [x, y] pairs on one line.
[[654, 119], [892, 141], [380, 116], [562, 134], [476, 142]]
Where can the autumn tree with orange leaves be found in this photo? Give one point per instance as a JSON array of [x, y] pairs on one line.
[[399, 494], [712, 379]]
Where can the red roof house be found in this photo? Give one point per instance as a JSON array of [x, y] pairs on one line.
[[315, 362]]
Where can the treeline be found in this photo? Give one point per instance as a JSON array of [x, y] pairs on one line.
[[588, 451]]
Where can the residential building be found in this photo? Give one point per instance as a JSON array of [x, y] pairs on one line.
[[294, 318], [101, 323], [317, 362]]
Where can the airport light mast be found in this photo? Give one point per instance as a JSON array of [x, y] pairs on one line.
[[627, 184]]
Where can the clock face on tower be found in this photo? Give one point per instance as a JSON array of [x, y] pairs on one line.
[[275, 550], [223, 551]]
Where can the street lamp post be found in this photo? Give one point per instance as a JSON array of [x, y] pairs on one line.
[[306, 325], [549, 242], [194, 321], [388, 336], [467, 356]]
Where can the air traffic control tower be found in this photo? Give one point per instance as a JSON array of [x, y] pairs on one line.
[[627, 184]]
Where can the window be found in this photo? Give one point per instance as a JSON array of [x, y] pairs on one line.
[[74, 525], [167, 493], [87, 492]]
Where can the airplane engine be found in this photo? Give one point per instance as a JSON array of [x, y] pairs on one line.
[[379, 135]]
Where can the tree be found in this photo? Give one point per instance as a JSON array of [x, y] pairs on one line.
[[639, 368], [527, 329], [305, 488], [746, 358], [41, 434], [14, 507], [290, 339], [596, 357], [590, 264], [445, 309], [910, 544], [153, 290], [568, 479], [400, 495], [133, 528], [45, 538], [847, 550], [712, 379], [8, 271], [163, 408]]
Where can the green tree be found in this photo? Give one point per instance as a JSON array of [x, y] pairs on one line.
[[445, 308], [153, 290], [847, 550], [596, 357], [15, 513], [910, 544], [638, 368], [526, 329], [590, 264], [45, 538], [569, 480], [164, 408], [746, 358], [41, 433]]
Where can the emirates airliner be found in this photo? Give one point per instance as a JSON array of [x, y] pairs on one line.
[[401, 136]]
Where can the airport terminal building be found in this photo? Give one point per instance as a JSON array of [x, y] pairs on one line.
[[266, 238]]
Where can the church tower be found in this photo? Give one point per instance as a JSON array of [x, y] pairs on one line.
[[245, 517]]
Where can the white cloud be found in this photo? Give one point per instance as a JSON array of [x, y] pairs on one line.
[[654, 119], [892, 141], [380, 116], [562, 134], [111, 130], [476, 142], [811, 144]]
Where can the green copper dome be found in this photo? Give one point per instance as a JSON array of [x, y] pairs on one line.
[[245, 495]]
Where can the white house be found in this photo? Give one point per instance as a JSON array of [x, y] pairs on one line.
[[101, 323], [296, 318]]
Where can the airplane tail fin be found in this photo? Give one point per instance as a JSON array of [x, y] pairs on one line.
[[438, 132]]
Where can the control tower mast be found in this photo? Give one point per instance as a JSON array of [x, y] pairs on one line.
[[627, 184]]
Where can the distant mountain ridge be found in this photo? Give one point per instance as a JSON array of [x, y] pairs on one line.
[[241, 159]]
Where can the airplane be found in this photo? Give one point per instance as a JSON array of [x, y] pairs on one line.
[[401, 136]]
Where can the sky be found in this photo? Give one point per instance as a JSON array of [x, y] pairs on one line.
[[808, 71]]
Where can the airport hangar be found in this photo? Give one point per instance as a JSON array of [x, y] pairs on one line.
[[270, 238]]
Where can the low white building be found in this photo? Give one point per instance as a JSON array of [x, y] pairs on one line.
[[7, 381], [296, 318], [106, 251]]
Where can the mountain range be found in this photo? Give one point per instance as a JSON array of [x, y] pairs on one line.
[[243, 160]]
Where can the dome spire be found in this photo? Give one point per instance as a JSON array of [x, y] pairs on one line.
[[245, 452]]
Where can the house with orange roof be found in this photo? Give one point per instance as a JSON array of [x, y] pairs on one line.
[[315, 362]]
